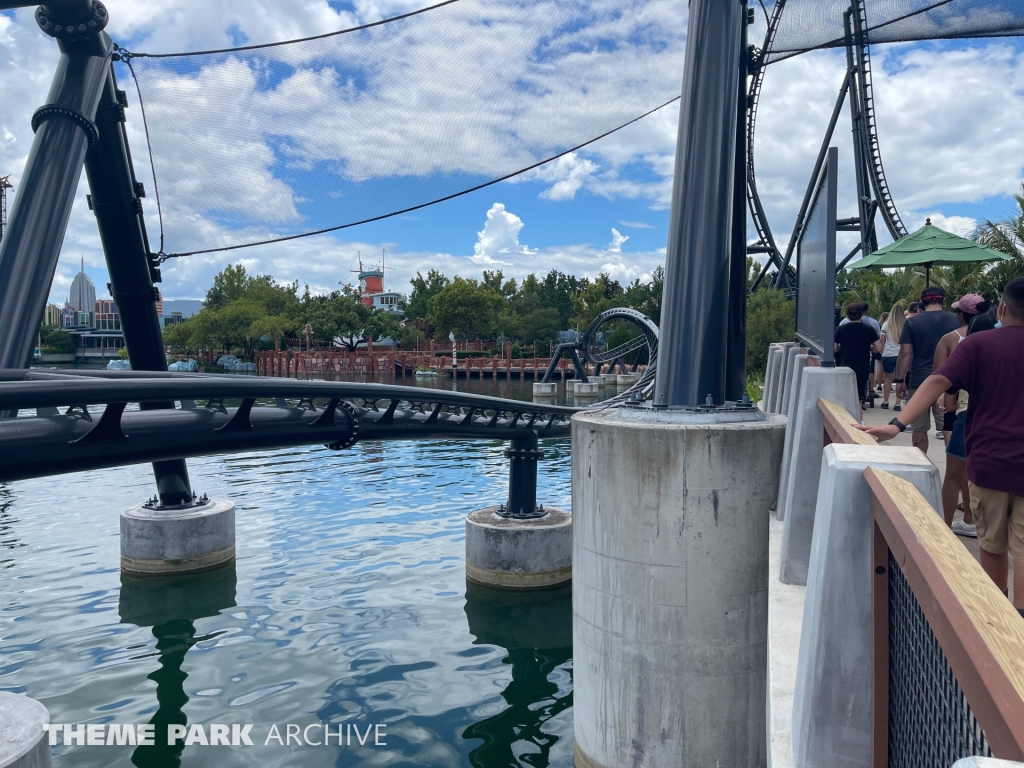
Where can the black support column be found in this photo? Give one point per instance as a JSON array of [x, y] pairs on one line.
[[695, 312], [116, 202]]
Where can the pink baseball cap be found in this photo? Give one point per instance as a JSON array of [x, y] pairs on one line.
[[969, 304]]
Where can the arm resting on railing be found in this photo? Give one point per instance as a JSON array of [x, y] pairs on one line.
[[922, 400]]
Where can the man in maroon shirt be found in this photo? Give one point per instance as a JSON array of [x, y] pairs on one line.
[[990, 366]]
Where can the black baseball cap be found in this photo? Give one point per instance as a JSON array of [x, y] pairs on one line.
[[933, 292]]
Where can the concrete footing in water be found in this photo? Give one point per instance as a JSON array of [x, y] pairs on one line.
[[545, 389], [670, 561], [518, 553], [626, 379], [584, 389], [165, 540], [24, 742]]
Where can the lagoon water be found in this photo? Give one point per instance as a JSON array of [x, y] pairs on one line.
[[347, 605]]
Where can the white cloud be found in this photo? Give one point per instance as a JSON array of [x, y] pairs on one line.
[[615, 246], [499, 237], [636, 224], [964, 226]]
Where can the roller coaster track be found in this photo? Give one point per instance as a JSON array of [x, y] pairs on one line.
[[757, 62], [873, 155], [73, 421]]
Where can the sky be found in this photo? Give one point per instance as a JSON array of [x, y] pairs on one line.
[[274, 143]]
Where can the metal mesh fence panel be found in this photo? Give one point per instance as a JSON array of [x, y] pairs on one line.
[[810, 24], [276, 141], [931, 725]]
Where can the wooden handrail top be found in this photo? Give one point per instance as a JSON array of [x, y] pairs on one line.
[[839, 425], [980, 632]]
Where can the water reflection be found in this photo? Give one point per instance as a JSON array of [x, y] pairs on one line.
[[171, 605], [535, 628]]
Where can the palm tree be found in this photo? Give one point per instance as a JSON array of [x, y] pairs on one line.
[[881, 290], [1006, 235]]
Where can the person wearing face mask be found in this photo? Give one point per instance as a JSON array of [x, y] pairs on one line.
[[990, 366]]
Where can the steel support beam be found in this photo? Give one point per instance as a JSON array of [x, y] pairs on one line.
[[818, 163], [65, 127], [736, 333], [523, 454], [694, 318], [118, 208]]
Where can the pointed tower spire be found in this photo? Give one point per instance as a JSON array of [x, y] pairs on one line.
[[83, 262]]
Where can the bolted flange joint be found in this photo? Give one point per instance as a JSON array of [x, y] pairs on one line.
[[529, 454], [71, 29], [196, 501]]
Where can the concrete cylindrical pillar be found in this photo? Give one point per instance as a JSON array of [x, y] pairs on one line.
[[161, 540], [518, 553], [627, 379], [24, 742], [670, 589], [584, 389]]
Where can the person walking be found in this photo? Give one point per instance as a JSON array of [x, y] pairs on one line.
[[954, 411], [857, 340], [892, 329], [918, 341], [990, 366]]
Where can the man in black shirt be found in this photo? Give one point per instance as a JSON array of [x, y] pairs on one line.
[[921, 335], [857, 340]]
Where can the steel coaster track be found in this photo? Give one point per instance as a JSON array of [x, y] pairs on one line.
[[758, 61], [886, 205], [262, 413]]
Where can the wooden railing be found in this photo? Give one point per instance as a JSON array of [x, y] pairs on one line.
[[981, 636], [839, 425]]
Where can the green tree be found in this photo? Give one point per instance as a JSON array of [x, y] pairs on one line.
[[770, 318], [541, 326], [423, 290], [465, 308], [56, 342]]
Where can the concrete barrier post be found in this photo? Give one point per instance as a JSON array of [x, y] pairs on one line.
[[24, 742], [832, 698], [787, 451], [780, 376], [769, 374], [670, 561], [840, 386], [796, 358]]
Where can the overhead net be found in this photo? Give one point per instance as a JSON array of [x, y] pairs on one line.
[[264, 143], [807, 25]]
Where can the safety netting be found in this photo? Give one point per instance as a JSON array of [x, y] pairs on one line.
[[806, 25], [269, 142], [258, 144]]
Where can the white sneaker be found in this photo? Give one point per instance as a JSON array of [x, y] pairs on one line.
[[938, 435], [960, 528]]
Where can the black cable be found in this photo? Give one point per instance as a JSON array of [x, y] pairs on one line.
[[289, 42], [149, 146], [165, 256]]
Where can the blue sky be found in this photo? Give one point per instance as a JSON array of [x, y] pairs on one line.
[[949, 117]]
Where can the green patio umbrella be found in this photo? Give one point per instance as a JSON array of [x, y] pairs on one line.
[[929, 246]]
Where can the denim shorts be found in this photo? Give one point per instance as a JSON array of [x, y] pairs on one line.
[[957, 445], [889, 364]]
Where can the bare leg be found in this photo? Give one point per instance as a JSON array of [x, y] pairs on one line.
[[965, 493], [1018, 584], [996, 566], [956, 477], [887, 386], [920, 440]]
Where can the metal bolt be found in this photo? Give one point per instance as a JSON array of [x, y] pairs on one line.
[[709, 401]]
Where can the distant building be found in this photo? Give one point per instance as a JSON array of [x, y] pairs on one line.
[[53, 316], [83, 292], [184, 307], [159, 303], [172, 319], [372, 293]]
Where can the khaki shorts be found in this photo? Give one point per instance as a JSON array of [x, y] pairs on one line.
[[923, 423], [1000, 519]]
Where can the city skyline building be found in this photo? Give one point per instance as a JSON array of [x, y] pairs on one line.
[[82, 296]]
